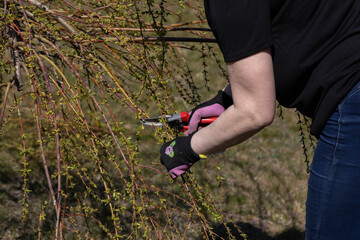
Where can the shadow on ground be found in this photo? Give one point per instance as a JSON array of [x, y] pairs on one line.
[[254, 233]]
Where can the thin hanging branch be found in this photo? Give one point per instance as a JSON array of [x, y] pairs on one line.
[[57, 141]]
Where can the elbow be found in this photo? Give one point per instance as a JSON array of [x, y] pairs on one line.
[[259, 118], [267, 118], [262, 119]]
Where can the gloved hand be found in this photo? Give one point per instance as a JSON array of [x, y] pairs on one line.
[[178, 156], [212, 108]]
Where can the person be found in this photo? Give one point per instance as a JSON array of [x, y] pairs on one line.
[[306, 55]]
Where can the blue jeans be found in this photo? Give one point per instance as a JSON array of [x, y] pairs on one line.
[[333, 201]]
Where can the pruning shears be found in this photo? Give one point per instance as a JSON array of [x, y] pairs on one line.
[[179, 121]]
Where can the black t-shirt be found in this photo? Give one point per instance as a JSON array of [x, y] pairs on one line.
[[315, 47]]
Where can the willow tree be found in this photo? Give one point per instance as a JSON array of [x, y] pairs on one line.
[[77, 76]]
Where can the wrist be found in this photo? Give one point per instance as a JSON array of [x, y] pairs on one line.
[[195, 144], [200, 155]]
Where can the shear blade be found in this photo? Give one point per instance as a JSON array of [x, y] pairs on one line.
[[154, 122]]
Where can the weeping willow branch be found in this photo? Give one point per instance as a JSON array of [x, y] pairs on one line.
[[57, 141], [174, 39]]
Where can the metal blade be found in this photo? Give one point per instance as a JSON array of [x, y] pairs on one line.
[[155, 122]]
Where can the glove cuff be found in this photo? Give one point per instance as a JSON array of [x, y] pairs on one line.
[[194, 156], [198, 156]]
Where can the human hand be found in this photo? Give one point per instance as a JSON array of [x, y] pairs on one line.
[[178, 156], [212, 108]]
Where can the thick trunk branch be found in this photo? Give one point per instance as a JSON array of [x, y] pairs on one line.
[[58, 18], [16, 61]]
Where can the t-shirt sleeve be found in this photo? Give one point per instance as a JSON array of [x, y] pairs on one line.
[[241, 27]]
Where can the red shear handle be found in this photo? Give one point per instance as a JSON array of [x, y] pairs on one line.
[[185, 118]]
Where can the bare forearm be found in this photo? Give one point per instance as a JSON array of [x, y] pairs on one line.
[[231, 128]]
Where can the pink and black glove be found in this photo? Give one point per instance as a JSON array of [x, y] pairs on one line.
[[212, 108], [178, 156]]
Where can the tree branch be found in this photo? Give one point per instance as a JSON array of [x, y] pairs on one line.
[[58, 18], [4, 102]]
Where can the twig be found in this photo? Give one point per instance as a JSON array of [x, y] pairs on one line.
[[46, 169], [175, 39], [57, 139], [5, 7], [168, 29]]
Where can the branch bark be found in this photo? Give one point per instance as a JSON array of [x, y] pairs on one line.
[[58, 18], [4, 102]]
